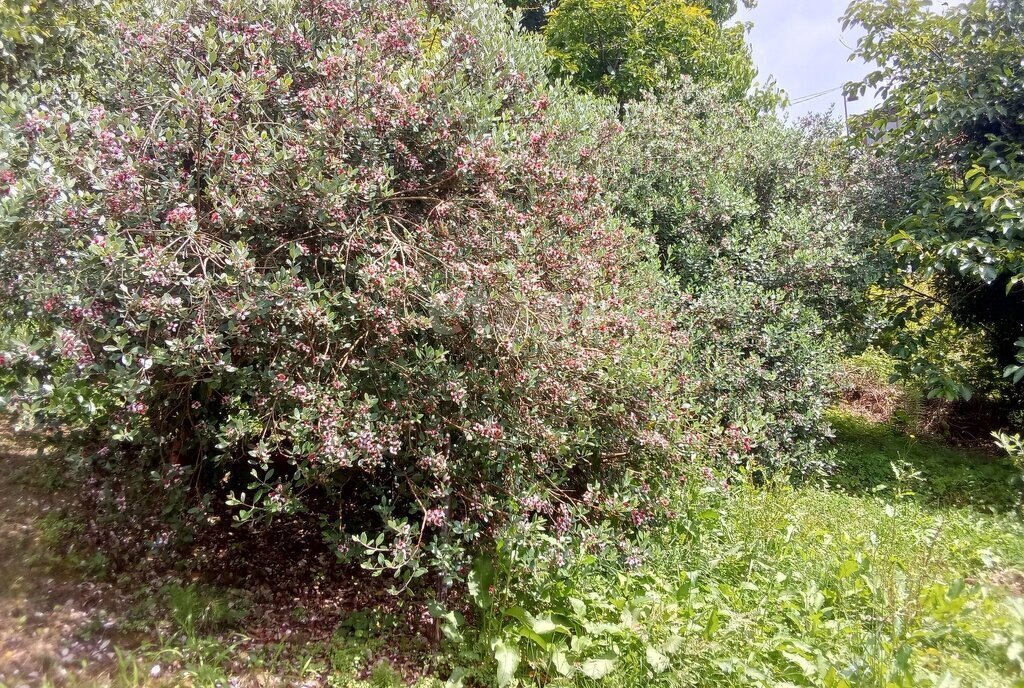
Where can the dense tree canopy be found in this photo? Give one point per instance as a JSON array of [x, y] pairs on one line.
[[952, 115], [623, 48], [535, 12]]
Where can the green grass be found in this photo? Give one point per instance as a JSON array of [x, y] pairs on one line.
[[889, 580], [813, 587], [945, 476], [880, 579], [902, 570]]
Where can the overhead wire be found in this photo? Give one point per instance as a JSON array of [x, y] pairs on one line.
[[804, 99]]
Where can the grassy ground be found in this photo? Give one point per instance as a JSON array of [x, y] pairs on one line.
[[939, 475], [904, 570]]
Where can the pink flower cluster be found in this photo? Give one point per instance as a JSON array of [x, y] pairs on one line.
[[182, 215]]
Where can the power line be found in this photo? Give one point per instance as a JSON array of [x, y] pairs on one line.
[[804, 99], [846, 107]]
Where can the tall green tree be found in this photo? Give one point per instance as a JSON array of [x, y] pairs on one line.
[[952, 115], [622, 48], [722, 10], [535, 12]]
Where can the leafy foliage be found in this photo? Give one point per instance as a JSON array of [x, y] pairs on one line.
[[930, 346], [623, 49], [767, 587], [534, 13], [945, 476], [363, 265], [772, 232], [40, 39], [1013, 445], [953, 116], [324, 259]]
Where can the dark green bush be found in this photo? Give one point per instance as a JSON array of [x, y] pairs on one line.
[[771, 232]]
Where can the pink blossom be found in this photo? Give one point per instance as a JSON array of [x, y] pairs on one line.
[[182, 215], [489, 429], [435, 517]]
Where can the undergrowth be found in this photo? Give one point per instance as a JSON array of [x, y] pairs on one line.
[[902, 569], [781, 586]]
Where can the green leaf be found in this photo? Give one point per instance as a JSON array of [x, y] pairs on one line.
[[480, 580], [535, 637], [544, 625], [457, 679], [848, 568], [519, 614], [806, 666], [598, 667], [712, 624], [658, 661], [561, 663], [507, 657]]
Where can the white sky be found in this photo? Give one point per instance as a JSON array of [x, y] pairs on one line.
[[801, 44]]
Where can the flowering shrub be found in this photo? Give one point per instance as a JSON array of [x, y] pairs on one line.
[[42, 38], [327, 258]]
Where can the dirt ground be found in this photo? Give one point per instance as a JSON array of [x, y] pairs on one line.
[[51, 625], [68, 620]]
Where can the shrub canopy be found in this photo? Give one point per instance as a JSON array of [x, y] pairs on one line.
[[360, 262], [772, 231], [952, 116], [325, 257]]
